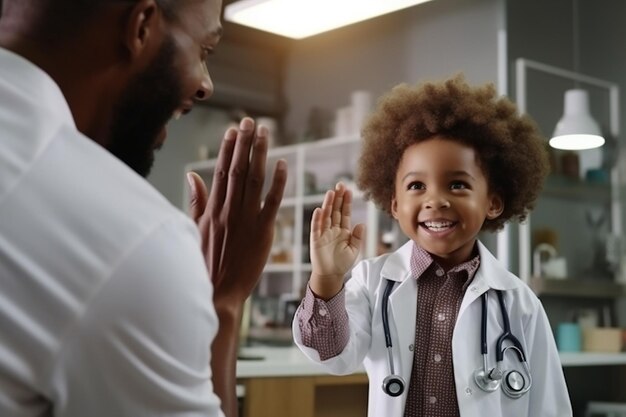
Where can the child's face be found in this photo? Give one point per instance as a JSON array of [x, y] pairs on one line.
[[442, 199]]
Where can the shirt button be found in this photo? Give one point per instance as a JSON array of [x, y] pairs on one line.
[[323, 312], [441, 317], [437, 357], [474, 288], [439, 272], [411, 348], [468, 391], [432, 400]]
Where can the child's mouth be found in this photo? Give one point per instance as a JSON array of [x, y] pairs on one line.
[[437, 226]]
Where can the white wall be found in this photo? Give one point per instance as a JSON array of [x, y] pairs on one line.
[[430, 41]]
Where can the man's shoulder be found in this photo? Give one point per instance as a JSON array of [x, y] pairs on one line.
[[75, 194]]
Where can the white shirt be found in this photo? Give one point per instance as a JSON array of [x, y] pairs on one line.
[[548, 396], [105, 302]]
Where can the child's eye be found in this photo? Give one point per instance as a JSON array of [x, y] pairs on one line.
[[416, 185], [458, 185]]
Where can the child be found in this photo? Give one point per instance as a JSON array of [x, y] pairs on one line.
[[446, 161]]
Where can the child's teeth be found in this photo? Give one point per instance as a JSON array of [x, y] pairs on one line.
[[438, 225]]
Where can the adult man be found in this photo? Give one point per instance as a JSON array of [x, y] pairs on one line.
[[106, 308]]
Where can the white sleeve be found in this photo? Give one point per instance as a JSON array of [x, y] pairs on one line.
[[142, 345], [548, 395]]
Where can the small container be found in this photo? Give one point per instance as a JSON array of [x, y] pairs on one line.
[[597, 175], [568, 337], [602, 339]]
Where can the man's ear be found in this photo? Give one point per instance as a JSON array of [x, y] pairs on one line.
[[496, 206], [142, 26]]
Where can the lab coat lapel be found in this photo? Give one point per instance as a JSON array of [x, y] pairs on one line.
[[491, 274]]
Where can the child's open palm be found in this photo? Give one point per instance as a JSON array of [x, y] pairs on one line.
[[334, 247]]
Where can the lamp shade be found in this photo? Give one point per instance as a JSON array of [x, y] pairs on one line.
[[577, 129]]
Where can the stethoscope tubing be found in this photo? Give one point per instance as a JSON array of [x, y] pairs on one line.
[[385, 313], [393, 385], [506, 334]]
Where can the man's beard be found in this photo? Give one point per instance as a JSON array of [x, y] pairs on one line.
[[144, 109]]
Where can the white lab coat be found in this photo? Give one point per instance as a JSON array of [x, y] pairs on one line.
[[548, 396]]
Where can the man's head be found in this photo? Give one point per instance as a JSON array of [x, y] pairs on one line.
[[125, 66]]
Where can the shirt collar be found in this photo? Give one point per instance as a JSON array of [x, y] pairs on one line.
[[421, 260]]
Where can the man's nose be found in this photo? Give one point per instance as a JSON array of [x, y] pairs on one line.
[[205, 89]]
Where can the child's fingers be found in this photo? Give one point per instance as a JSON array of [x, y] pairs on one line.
[[327, 207], [337, 205], [346, 210], [316, 224]]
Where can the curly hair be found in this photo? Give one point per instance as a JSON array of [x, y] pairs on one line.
[[510, 149]]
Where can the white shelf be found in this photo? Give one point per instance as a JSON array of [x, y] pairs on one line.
[[314, 199], [592, 359], [289, 202], [286, 267]]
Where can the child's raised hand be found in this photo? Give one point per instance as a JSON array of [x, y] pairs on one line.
[[334, 247]]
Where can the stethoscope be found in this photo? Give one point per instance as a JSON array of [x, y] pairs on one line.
[[515, 384]]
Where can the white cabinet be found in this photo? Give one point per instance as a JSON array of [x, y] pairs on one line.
[[313, 168]]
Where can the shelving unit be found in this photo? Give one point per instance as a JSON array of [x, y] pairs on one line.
[[558, 186], [599, 288], [592, 359], [313, 168]]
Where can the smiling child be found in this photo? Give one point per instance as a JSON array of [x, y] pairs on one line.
[[446, 161]]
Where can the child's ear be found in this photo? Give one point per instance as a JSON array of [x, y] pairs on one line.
[[394, 207], [496, 206]]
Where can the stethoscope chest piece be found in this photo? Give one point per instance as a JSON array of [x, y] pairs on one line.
[[514, 384], [393, 385], [484, 382]]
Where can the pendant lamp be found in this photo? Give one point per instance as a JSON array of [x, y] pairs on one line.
[[576, 130]]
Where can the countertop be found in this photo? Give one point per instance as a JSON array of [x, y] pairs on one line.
[[276, 361], [289, 361]]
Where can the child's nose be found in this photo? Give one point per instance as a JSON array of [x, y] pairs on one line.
[[436, 201]]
